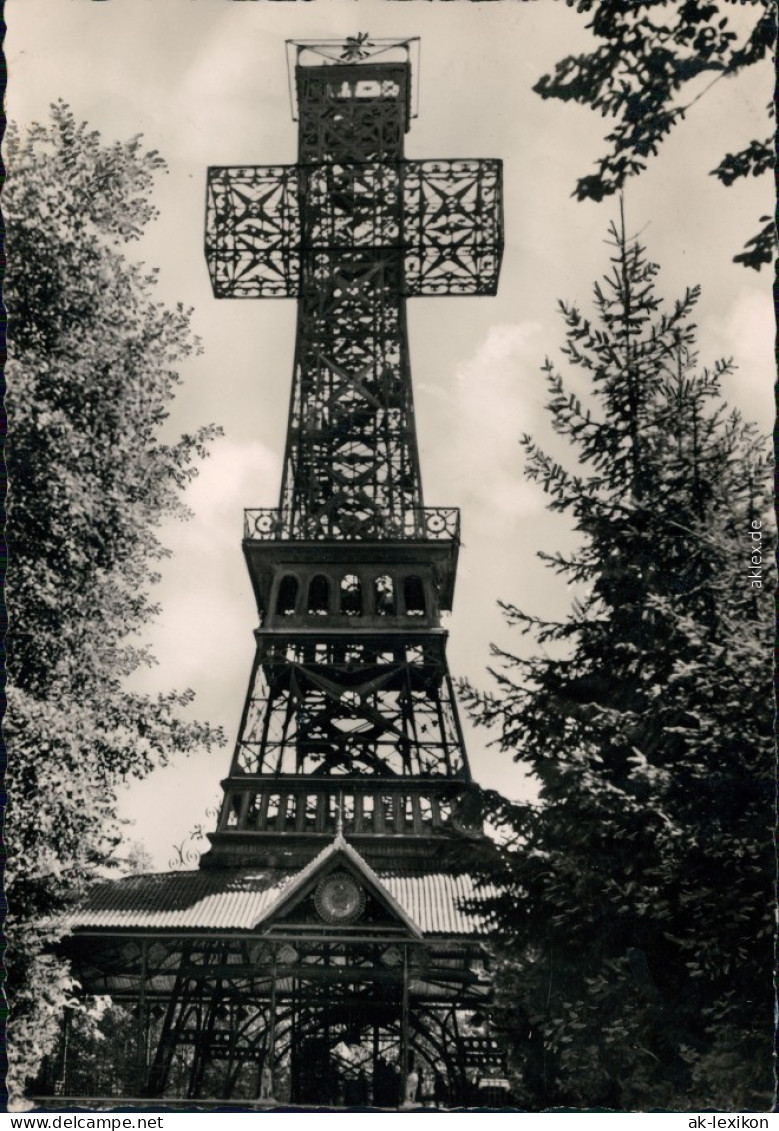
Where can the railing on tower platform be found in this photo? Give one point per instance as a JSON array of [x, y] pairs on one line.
[[276, 524]]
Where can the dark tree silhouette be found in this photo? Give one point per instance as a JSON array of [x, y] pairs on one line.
[[635, 923]]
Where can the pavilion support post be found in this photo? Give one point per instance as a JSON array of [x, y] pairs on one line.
[[404, 1031], [271, 1055], [375, 1059], [206, 1031], [294, 1030], [142, 1032]]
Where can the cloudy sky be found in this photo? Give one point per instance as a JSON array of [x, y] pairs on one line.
[[205, 82]]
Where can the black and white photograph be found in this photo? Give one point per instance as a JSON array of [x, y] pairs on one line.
[[328, 792]]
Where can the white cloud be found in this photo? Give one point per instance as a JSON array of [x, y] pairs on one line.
[[495, 397], [746, 334], [233, 477], [203, 636]]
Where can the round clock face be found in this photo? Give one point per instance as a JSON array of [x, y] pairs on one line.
[[339, 899]]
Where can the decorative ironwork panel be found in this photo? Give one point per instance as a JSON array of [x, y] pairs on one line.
[[352, 114], [253, 231], [445, 217], [352, 205], [453, 234]]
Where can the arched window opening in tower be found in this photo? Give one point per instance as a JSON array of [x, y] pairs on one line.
[[319, 596], [388, 812], [351, 596], [384, 596], [426, 812], [272, 814], [311, 811], [288, 811], [415, 596], [287, 596], [253, 816], [367, 811], [444, 810]]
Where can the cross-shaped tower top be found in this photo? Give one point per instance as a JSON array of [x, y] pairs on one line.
[[351, 230]]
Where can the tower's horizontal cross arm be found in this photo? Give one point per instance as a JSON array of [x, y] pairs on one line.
[[446, 217]]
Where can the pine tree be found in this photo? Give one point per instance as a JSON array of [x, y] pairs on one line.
[[92, 370], [635, 919]]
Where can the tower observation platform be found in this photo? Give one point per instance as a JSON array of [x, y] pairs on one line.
[[327, 950]]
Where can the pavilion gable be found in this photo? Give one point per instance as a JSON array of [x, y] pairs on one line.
[[340, 883]]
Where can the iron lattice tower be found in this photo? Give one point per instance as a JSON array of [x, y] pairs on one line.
[[350, 707], [323, 949]]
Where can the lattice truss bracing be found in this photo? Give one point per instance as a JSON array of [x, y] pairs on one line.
[[349, 114], [332, 1020], [351, 463], [348, 707]]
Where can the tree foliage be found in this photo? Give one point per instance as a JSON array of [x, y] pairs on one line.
[[92, 372], [635, 920], [646, 73]]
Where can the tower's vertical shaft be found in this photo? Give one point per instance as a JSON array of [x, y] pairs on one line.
[[351, 467]]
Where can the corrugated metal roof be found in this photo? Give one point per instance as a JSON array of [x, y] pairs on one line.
[[237, 899], [435, 901]]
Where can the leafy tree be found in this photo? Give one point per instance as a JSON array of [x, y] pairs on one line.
[[648, 52], [92, 373], [99, 1054], [634, 922]]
